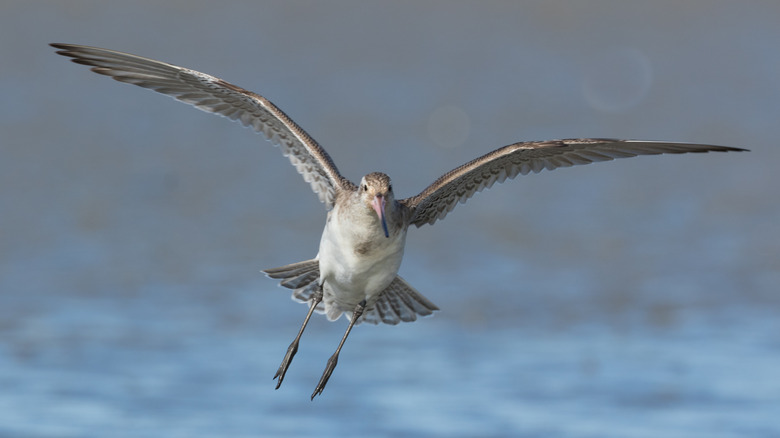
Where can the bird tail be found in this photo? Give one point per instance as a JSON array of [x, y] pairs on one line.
[[398, 302], [301, 277]]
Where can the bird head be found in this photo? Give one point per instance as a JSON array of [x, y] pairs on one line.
[[376, 191]]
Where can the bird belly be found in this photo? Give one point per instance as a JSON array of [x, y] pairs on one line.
[[357, 264]]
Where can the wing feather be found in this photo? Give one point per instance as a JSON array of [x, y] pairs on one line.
[[462, 183], [214, 95]]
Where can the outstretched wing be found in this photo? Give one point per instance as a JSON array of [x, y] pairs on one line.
[[214, 95], [461, 183]]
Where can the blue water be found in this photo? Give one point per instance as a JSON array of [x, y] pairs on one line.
[[629, 299], [184, 365]]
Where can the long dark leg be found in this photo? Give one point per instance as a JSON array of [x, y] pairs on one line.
[[293, 348], [335, 358]]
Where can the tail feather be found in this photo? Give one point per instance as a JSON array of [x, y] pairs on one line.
[[398, 302], [302, 280], [303, 295], [293, 269], [301, 277]]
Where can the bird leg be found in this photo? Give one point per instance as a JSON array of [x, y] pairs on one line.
[[293, 348], [335, 358]]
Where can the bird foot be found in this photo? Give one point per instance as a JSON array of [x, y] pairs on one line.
[[331, 365], [288, 357]]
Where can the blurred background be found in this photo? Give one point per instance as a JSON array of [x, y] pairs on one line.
[[637, 298]]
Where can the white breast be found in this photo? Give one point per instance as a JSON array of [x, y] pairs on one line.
[[357, 261]]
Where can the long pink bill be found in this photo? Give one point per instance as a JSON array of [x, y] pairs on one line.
[[379, 206]]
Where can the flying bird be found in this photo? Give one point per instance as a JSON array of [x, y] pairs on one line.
[[356, 269]]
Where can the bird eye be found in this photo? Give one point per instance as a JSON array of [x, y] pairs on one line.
[[365, 188], [390, 189]]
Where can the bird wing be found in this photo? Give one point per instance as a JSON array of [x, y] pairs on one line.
[[461, 183], [214, 95]]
